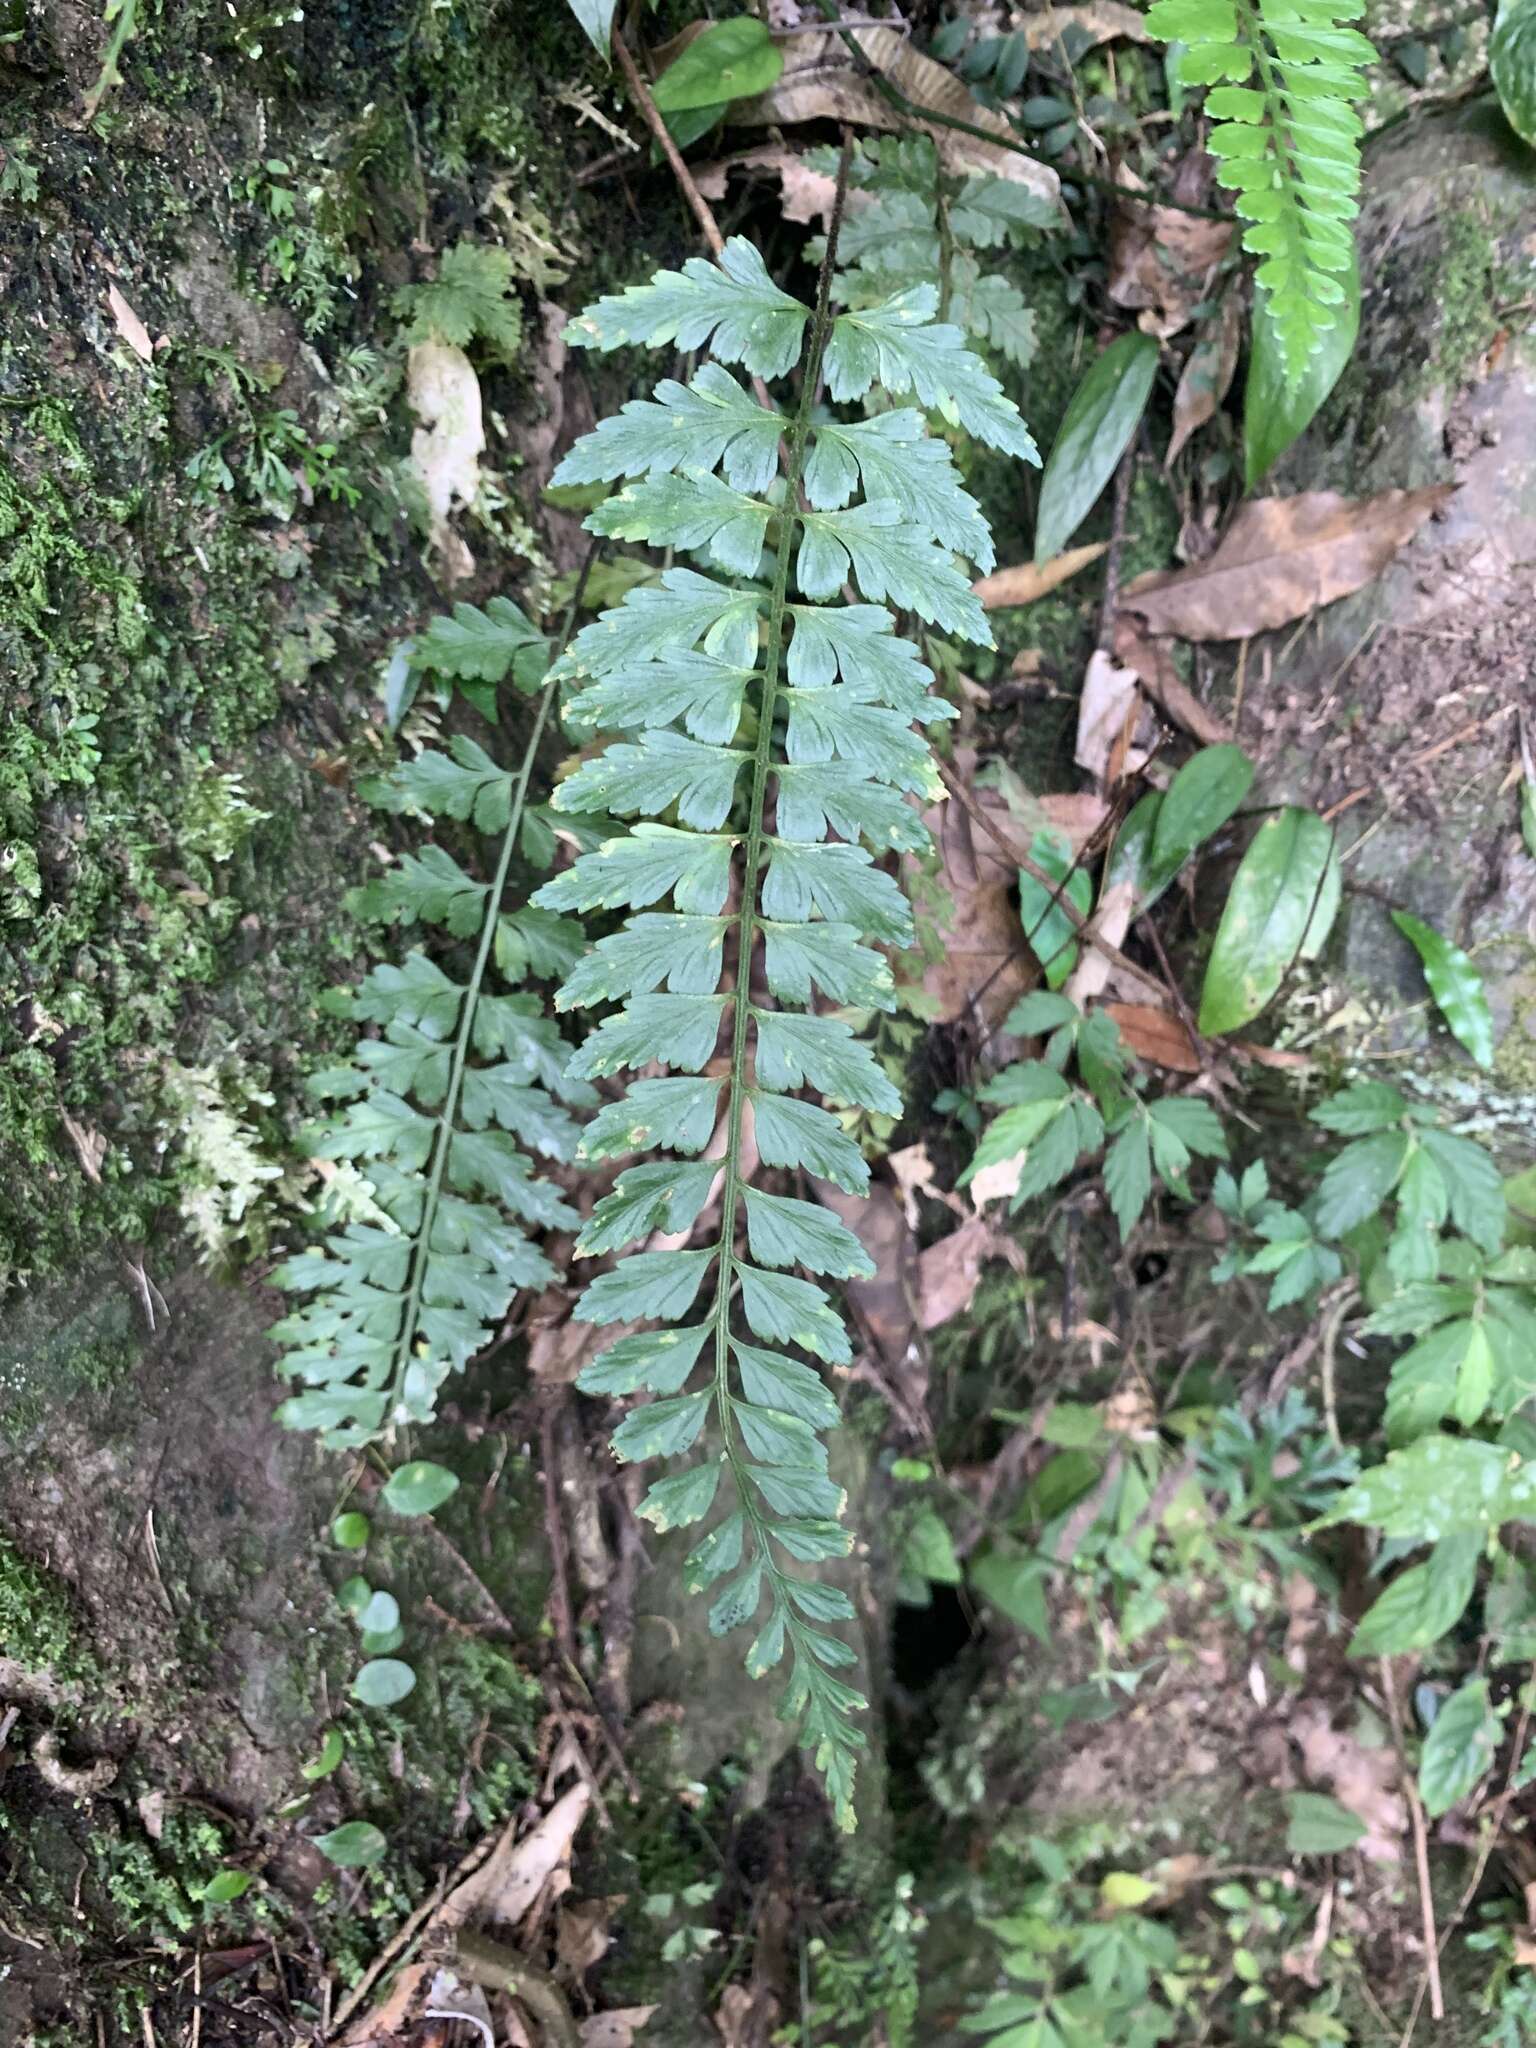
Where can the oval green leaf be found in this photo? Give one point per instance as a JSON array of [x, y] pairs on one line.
[[1048, 930], [418, 1488], [1276, 411], [1512, 60], [354, 1594], [383, 1682], [381, 1614], [730, 60], [1199, 801], [1458, 1749], [1455, 984], [1105, 412], [331, 1752], [1320, 1825], [350, 1532], [353, 1845], [1273, 900], [226, 1887]]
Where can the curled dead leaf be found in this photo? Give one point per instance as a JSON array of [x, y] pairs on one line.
[[1154, 664], [1207, 374], [1282, 558], [1108, 712], [1024, 582], [1155, 1035], [806, 196], [129, 325]]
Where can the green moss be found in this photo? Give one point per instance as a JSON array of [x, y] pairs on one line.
[[38, 1624]]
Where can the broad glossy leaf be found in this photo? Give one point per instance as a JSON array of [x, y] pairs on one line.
[[383, 1682], [1455, 984], [1104, 412], [1278, 408], [1272, 902], [1197, 803], [728, 60], [1459, 1748], [1512, 60], [419, 1488]]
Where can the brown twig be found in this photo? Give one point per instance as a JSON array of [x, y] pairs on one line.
[[1025, 865], [494, 1967], [561, 1611], [1420, 1857], [640, 93]]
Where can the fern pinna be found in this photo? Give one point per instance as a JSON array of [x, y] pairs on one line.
[[811, 705], [1287, 140], [440, 1100]]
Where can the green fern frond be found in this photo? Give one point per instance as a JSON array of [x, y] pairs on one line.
[[1284, 76], [751, 731], [446, 1107]]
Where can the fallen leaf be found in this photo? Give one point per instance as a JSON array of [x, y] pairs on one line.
[[912, 1170], [465, 2004], [823, 81], [948, 1272], [1282, 558], [886, 1303], [805, 196], [1155, 1035], [581, 1936], [444, 394], [1107, 711], [516, 1872], [130, 326], [1102, 21], [995, 1183], [1026, 581], [1110, 921], [1154, 664], [1362, 1779], [984, 967], [1207, 375], [614, 2029], [1160, 258]]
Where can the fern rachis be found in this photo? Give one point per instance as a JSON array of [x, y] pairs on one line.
[[825, 710]]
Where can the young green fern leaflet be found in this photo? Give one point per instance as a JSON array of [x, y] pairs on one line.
[[1287, 141], [441, 1102], [811, 704]]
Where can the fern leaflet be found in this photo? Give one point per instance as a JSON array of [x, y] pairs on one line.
[[1284, 75], [782, 745], [440, 1104]]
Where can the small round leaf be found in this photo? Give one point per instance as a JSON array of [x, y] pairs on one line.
[[354, 1594], [381, 1614], [383, 1681], [418, 1488], [350, 1532]]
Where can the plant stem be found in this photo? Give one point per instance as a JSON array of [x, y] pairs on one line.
[[747, 919], [443, 1141]]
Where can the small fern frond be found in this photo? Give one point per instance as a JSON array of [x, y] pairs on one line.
[[1284, 76], [442, 1102], [766, 752]]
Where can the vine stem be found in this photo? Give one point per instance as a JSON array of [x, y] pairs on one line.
[[443, 1142], [747, 918]]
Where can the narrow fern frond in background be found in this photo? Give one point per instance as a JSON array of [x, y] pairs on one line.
[[1284, 76], [442, 1102], [767, 750]]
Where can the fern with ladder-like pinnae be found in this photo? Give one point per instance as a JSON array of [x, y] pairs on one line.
[[1284, 76], [460, 1076], [813, 704]]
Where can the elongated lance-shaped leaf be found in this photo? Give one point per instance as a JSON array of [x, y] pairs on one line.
[[796, 744], [445, 1113], [1284, 76]]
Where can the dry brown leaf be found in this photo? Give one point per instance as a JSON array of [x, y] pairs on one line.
[[614, 2029], [984, 967], [89, 1144], [1109, 708], [912, 1171], [1282, 558], [885, 1304], [1207, 375], [948, 1272], [444, 394], [581, 1933], [1154, 664], [1161, 259], [806, 196], [1026, 581], [1362, 1779], [822, 81], [129, 325], [1101, 22], [1155, 1035], [1110, 922], [516, 1872]]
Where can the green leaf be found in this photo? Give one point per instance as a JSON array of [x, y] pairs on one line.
[[383, 1682], [350, 1531], [678, 1115], [782, 1309], [226, 1887], [709, 422], [685, 952], [798, 958], [469, 299], [668, 618], [352, 1846], [728, 60], [771, 1380], [1271, 903], [891, 457], [705, 693], [895, 343], [839, 883], [1278, 407], [718, 1553], [732, 307], [658, 1360], [1364, 1107], [798, 1134], [888, 556], [660, 1195], [858, 642], [783, 1231], [1437, 1486], [688, 509], [476, 646], [1104, 412], [684, 1497], [821, 1053], [1048, 931], [661, 1430], [332, 1750], [1459, 1748], [1197, 803], [679, 1031], [1128, 1174], [1358, 1180], [1455, 985], [596, 18], [1320, 1825], [1423, 1603], [664, 769], [1015, 1585], [1512, 60], [659, 1284]]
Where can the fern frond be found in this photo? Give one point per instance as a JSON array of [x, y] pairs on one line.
[[795, 725], [1284, 76], [439, 1107]]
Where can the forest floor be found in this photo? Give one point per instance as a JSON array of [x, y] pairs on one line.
[[1120, 1747]]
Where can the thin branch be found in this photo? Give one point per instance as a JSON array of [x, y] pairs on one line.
[[1420, 1857], [640, 93]]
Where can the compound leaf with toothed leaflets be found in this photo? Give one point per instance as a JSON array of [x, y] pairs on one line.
[[664, 769], [732, 307], [859, 643], [917, 475], [681, 612], [709, 423], [654, 947], [798, 1134], [706, 694], [658, 1361], [679, 1031], [652, 862], [685, 1497], [899, 346], [484, 646], [656, 1196], [676, 1114], [688, 509], [822, 1053], [818, 797], [783, 1231], [888, 556], [659, 1284]]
